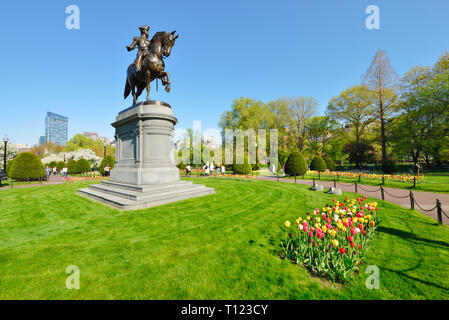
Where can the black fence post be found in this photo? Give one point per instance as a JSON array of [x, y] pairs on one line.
[[382, 192], [277, 177], [383, 180], [338, 177], [313, 179], [335, 183], [360, 176], [412, 201], [295, 178], [12, 184], [355, 186], [440, 216], [414, 182]]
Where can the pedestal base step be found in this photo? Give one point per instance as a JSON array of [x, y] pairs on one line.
[[130, 197]]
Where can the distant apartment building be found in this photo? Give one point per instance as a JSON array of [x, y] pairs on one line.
[[56, 128], [94, 136]]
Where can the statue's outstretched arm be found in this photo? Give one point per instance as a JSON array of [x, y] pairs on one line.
[[132, 46]]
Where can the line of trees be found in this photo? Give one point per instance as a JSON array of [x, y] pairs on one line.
[[383, 119]]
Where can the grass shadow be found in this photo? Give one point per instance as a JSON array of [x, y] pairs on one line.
[[409, 235]]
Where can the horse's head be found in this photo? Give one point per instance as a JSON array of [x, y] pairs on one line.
[[168, 42]]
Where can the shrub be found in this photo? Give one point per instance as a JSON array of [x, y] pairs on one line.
[[82, 166], [330, 164], [60, 165], [318, 164], [389, 166], [53, 164], [108, 160], [255, 166], [244, 168], [27, 166], [8, 167], [72, 166], [296, 164], [181, 166]]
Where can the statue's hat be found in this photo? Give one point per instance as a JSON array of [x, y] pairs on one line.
[[144, 28]]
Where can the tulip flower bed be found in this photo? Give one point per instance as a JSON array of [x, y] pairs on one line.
[[331, 243], [406, 178], [93, 179]]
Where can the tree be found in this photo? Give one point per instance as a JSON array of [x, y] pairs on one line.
[[318, 164], [81, 142], [107, 161], [363, 152], [83, 166], [299, 111], [382, 80], [355, 108], [60, 165], [8, 168], [11, 152], [244, 168], [27, 166], [319, 132], [296, 164]]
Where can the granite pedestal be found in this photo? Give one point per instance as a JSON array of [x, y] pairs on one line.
[[144, 174]]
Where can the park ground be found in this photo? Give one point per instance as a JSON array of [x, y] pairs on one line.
[[221, 246]]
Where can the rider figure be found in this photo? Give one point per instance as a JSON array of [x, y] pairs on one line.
[[143, 45]]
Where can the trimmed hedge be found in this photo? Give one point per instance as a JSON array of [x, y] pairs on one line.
[[83, 166], [181, 166], [108, 160], [296, 164], [318, 164], [389, 167], [53, 164], [8, 167], [244, 168], [72, 166], [27, 166], [60, 165], [330, 164]]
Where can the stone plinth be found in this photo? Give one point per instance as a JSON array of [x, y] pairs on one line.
[[144, 174]]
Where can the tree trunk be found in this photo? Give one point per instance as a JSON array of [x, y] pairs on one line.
[[382, 128]]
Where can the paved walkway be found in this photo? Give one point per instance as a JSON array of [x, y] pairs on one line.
[[426, 200]]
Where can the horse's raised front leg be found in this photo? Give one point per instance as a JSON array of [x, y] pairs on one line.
[[148, 79], [167, 75]]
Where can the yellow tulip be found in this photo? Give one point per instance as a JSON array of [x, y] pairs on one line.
[[287, 224]]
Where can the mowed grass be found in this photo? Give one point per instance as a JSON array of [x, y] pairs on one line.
[[430, 183], [221, 246]]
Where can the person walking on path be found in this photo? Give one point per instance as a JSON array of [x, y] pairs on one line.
[[47, 171], [106, 171], [211, 168], [55, 171], [64, 172], [223, 169], [188, 169]]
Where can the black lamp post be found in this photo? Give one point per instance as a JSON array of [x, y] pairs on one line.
[[105, 149], [5, 140]]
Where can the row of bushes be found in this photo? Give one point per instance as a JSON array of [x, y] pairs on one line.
[[296, 164], [28, 166]]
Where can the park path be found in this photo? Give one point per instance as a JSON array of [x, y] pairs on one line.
[[426, 200]]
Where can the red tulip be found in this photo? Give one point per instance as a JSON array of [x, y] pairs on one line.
[[342, 250]]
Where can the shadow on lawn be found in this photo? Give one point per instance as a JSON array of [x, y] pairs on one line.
[[402, 273], [405, 234]]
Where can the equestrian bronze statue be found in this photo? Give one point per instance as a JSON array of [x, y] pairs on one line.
[[149, 64]]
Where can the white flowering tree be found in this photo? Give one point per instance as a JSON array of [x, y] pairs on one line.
[[11, 152], [87, 154]]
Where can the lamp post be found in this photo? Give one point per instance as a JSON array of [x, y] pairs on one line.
[[5, 140], [105, 149]]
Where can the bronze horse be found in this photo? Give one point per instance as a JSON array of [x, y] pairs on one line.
[[153, 66]]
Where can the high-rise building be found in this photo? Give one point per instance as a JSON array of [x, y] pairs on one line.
[[56, 128], [41, 140], [91, 135]]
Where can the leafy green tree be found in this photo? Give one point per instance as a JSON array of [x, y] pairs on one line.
[[27, 166], [354, 107], [244, 168], [53, 164], [300, 110], [107, 161], [8, 167], [319, 132], [318, 164], [296, 164], [83, 166]]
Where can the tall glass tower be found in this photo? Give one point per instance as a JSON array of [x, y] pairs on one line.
[[56, 128]]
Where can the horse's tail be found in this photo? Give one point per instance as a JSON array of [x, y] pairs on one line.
[[127, 89]]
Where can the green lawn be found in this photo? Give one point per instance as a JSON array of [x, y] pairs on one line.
[[221, 246], [431, 183]]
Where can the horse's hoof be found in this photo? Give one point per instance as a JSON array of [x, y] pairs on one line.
[[167, 89]]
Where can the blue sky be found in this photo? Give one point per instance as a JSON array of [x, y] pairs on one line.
[[226, 49]]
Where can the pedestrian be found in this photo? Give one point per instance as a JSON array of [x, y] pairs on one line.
[[106, 171], [47, 171], [218, 168], [223, 169], [55, 171], [211, 168], [188, 169], [64, 171], [206, 168]]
